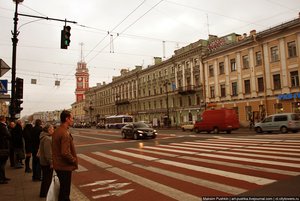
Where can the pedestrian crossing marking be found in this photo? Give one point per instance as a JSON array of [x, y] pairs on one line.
[[283, 162]]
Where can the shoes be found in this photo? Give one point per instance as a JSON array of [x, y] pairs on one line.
[[18, 166], [28, 170], [7, 179], [3, 182]]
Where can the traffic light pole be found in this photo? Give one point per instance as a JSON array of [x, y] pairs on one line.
[[12, 110], [14, 61]]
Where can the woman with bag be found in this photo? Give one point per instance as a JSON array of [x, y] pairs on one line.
[[45, 151]]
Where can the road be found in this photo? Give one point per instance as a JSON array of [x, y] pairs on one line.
[[186, 166]]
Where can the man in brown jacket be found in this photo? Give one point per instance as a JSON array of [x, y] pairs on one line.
[[64, 155]]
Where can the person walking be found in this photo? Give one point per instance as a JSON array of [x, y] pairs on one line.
[[17, 139], [4, 149], [46, 158], [27, 132], [36, 167], [64, 155]]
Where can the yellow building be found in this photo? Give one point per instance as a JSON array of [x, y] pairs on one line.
[[257, 74]]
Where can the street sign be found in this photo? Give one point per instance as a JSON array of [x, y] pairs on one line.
[[3, 68], [3, 86]]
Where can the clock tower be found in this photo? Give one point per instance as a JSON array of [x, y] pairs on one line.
[[82, 80]]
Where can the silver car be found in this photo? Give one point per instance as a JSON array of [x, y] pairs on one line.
[[282, 122]]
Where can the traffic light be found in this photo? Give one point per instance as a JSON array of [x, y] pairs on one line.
[[18, 107], [19, 88], [65, 37]]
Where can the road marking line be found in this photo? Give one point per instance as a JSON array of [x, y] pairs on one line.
[[200, 182], [170, 150], [260, 155], [243, 166], [252, 160], [269, 152], [237, 176], [81, 168], [153, 152], [152, 185]]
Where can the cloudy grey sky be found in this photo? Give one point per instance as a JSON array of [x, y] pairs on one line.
[[136, 27]]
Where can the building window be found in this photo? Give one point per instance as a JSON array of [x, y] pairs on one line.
[[258, 58], [278, 107], [296, 107], [274, 54], [260, 83], [245, 62], [294, 79], [223, 90], [276, 81], [234, 89], [232, 65], [190, 101], [198, 100], [180, 102], [292, 49], [221, 68], [211, 70], [247, 86], [212, 92]]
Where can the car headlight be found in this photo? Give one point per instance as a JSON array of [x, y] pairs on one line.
[[140, 132]]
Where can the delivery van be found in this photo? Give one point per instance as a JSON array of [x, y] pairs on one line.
[[217, 120]]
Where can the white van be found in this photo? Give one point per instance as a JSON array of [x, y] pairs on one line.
[[282, 122]]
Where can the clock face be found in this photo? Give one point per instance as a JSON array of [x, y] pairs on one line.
[[80, 79]]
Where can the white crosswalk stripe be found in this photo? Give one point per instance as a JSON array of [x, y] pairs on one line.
[[232, 159]]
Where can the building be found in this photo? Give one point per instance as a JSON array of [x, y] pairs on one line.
[[257, 74]]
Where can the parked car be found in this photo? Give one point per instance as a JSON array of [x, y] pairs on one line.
[[283, 122], [217, 120], [100, 125], [187, 126], [137, 130]]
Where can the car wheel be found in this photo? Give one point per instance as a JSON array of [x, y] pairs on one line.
[[183, 129], [154, 136], [228, 132], [123, 135], [216, 130], [196, 130], [135, 136], [283, 129], [258, 130]]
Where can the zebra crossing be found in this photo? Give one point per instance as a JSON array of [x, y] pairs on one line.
[[190, 170]]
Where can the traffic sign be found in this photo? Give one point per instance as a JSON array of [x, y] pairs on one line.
[[3, 86], [3, 67]]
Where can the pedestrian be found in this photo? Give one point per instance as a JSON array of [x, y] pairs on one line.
[[36, 167], [4, 149], [46, 158], [27, 132], [64, 155], [11, 146], [17, 139]]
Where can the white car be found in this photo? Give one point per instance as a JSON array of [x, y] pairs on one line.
[[187, 126]]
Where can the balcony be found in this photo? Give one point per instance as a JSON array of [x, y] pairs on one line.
[[190, 89], [122, 102]]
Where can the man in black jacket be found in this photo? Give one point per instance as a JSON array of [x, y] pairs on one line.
[[4, 149], [36, 167]]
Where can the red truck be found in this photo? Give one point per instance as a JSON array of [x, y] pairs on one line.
[[217, 120]]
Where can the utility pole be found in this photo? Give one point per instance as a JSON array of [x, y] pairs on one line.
[[15, 33], [14, 62]]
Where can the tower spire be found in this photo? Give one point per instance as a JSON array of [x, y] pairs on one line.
[[81, 52]]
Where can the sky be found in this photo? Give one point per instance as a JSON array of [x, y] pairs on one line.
[[111, 35]]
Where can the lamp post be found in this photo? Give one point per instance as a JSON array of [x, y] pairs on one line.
[[14, 61]]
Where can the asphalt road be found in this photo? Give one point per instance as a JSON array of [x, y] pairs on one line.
[[187, 166]]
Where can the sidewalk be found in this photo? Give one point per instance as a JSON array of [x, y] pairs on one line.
[[22, 188]]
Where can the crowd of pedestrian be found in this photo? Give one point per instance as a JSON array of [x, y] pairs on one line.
[[48, 148]]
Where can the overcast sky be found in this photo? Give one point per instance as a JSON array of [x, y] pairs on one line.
[[137, 29]]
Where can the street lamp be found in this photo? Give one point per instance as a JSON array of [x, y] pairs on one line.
[[14, 61]]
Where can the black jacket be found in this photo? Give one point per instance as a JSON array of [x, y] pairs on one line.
[[4, 137], [17, 136], [36, 131]]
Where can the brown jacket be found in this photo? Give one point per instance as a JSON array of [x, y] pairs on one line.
[[63, 150]]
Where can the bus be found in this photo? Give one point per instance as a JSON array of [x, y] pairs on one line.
[[117, 121]]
